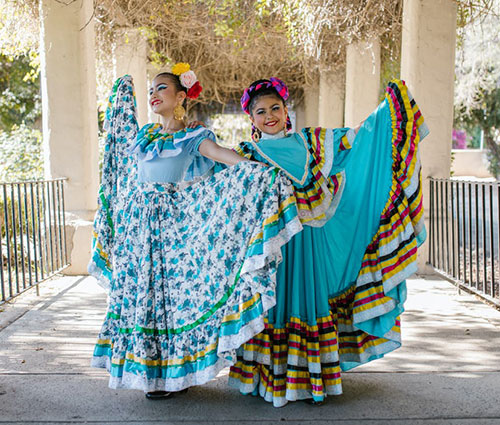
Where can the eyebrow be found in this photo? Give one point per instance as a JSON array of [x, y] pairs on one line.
[[272, 106]]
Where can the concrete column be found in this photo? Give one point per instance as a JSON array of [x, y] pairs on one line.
[[362, 80], [67, 52], [331, 99], [428, 67], [151, 73], [130, 56], [307, 111]]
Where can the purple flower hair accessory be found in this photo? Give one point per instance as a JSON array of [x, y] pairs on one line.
[[273, 82]]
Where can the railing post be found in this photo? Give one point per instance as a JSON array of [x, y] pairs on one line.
[[26, 231], [430, 259], [466, 247]]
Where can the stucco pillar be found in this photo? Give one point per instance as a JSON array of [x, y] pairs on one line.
[[67, 52], [307, 111], [428, 66], [362, 80], [130, 56], [331, 99], [152, 71]]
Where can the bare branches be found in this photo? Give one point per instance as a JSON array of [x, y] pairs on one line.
[[233, 42], [230, 43]]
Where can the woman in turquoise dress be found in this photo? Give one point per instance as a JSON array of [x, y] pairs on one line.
[[341, 286], [189, 257]]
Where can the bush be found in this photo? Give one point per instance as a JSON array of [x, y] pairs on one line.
[[21, 155]]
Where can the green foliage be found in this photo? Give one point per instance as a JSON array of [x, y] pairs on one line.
[[485, 115], [19, 27], [20, 100], [231, 129], [477, 77], [21, 155], [390, 68]]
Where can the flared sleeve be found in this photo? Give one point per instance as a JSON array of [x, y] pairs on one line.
[[118, 176], [313, 159]]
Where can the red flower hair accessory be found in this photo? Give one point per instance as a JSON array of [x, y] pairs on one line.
[[195, 90]]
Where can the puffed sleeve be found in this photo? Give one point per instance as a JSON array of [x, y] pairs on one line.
[[199, 165]]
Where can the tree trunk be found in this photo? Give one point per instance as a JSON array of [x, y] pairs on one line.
[[493, 153]]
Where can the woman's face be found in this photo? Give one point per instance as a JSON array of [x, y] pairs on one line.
[[163, 96], [269, 114]]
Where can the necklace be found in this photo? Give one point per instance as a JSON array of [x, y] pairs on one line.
[[167, 130]]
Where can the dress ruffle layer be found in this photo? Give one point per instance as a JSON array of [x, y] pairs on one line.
[[151, 144], [304, 356]]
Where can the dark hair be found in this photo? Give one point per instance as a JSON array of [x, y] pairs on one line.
[[256, 95], [175, 79]]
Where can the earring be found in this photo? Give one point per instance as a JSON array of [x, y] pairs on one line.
[[179, 112], [287, 122], [256, 135]]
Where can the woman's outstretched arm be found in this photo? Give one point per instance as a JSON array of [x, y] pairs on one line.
[[212, 150]]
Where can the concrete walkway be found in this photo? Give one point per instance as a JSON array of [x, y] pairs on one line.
[[448, 371]]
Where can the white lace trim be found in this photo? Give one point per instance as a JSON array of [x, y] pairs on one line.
[[272, 247], [290, 395], [98, 274], [137, 382], [278, 135], [328, 144], [225, 352]]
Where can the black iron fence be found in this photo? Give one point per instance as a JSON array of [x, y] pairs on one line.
[[465, 234], [33, 234]]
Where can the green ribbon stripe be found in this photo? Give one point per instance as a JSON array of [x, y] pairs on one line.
[[106, 207], [177, 331]]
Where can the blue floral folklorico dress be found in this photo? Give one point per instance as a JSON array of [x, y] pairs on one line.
[[190, 257]]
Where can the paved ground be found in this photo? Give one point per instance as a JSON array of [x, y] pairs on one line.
[[448, 371]]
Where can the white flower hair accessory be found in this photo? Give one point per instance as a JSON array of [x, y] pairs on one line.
[[188, 79]]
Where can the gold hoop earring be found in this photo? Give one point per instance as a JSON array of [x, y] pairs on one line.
[[179, 112], [256, 136], [285, 130]]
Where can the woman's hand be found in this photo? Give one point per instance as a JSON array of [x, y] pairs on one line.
[[356, 129], [194, 124]]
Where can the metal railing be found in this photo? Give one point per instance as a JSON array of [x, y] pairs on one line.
[[33, 234], [465, 235]]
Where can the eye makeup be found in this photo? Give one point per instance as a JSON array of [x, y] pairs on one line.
[[159, 87]]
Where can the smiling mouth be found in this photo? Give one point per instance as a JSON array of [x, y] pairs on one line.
[[271, 123], [155, 102]]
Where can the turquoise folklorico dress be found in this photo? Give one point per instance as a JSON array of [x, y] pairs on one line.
[[189, 256], [341, 286]]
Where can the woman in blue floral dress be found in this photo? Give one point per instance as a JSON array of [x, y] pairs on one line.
[[341, 285], [189, 256]]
